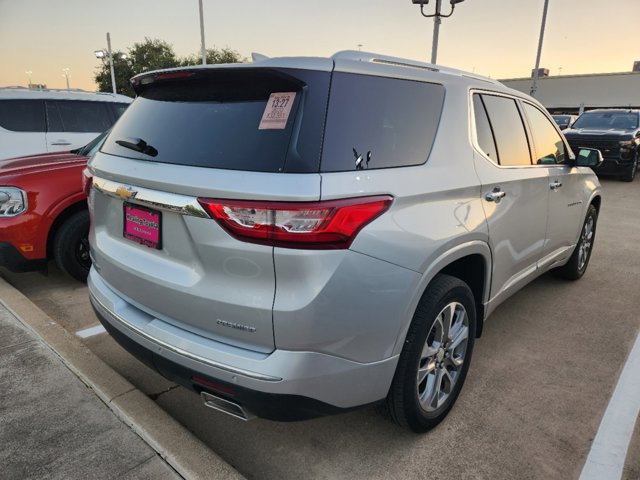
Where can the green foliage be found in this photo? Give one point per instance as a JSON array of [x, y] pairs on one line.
[[223, 55], [152, 54]]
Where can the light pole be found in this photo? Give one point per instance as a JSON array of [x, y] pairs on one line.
[[203, 50], [29, 73], [437, 20], [534, 83], [65, 74], [102, 54]]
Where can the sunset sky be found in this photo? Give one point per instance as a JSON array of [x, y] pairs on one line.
[[491, 37]]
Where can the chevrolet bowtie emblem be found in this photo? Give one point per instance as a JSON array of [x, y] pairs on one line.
[[126, 193]]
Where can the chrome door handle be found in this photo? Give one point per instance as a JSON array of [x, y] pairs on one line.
[[555, 185], [494, 195]]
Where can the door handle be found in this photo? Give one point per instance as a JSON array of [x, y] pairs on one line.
[[495, 195], [555, 185], [61, 142]]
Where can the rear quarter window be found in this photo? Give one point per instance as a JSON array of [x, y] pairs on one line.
[[22, 115], [392, 122]]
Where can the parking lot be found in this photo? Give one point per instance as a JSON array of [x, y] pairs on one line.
[[540, 380]]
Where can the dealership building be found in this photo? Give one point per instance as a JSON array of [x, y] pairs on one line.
[[574, 93]]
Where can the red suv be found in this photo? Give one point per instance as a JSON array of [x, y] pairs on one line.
[[43, 211]]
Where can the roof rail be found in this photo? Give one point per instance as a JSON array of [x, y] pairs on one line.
[[404, 62]]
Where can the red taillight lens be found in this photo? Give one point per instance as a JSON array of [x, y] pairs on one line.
[[312, 225], [87, 181]]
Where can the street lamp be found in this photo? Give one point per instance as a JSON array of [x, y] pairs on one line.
[[65, 74], [437, 19], [102, 54], [534, 83], [203, 50]]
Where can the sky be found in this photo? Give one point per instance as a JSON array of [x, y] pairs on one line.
[[497, 38]]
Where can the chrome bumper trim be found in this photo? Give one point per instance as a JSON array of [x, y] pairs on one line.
[[238, 371], [171, 202]]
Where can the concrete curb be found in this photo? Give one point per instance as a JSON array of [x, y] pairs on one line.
[[174, 443]]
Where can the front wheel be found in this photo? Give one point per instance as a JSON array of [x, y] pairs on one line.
[[577, 264], [631, 173], [436, 356]]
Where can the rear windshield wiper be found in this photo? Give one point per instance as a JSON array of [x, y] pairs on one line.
[[138, 145]]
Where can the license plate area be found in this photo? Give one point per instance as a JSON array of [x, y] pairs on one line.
[[142, 225]]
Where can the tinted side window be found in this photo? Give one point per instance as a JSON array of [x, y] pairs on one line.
[[549, 146], [22, 115], [395, 120], [82, 116], [118, 109], [483, 130], [54, 122], [508, 129]]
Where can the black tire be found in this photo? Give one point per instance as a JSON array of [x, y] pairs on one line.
[[575, 267], [403, 403], [71, 246], [630, 174]]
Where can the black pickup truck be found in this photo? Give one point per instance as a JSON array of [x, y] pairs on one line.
[[616, 133]]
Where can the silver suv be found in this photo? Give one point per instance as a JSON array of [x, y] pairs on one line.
[[302, 236]]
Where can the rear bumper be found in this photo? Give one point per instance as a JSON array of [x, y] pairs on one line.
[[12, 259], [282, 385]]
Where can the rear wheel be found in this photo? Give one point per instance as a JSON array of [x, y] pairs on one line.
[[436, 356], [71, 246], [577, 264], [630, 174]]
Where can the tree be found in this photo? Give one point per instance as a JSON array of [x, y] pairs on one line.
[[152, 54], [123, 72], [223, 55]]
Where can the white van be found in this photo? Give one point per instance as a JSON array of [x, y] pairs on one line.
[[38, 121]]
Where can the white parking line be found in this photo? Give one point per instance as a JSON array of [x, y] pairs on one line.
[[609, 448], [91, 331]]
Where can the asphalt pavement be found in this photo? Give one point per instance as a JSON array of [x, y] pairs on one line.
[[540, 380]]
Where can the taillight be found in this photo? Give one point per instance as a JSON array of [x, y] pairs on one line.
[[87, 181], [332, 224]]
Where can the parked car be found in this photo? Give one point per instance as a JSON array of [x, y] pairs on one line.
[[36, 121], [43, 212], [564, 121], [302, 236], [616, 133]]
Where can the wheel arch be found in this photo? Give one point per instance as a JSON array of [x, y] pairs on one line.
[[470, 262], [59, 220]]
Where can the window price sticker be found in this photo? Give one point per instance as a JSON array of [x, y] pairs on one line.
[[277, 111]]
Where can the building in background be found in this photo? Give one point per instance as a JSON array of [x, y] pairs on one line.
[[573, 93]]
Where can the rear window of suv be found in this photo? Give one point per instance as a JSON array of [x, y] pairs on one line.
[[390, 122], [216, 118]]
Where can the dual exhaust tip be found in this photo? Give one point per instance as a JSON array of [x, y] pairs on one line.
[[226, 406]]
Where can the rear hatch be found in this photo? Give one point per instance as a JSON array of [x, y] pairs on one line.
[[221, 133]]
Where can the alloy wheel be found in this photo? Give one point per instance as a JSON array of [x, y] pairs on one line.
[[586, 240], [443, 356]]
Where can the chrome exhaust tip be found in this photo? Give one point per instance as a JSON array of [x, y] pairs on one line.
[[226, 406]]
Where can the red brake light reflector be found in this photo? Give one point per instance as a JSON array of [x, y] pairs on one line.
[[331, 224]]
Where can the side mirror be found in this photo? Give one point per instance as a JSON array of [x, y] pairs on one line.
[[589, 157]]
